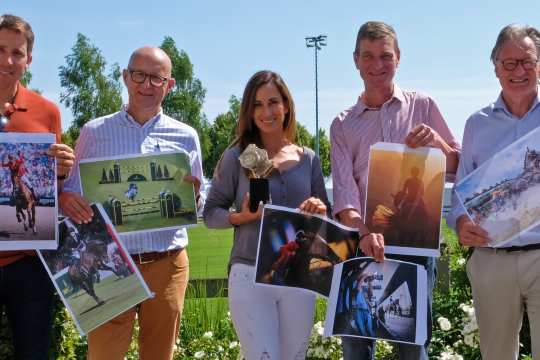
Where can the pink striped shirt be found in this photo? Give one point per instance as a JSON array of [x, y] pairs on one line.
[[353, 132]]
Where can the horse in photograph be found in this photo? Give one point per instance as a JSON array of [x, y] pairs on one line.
[[23, 195], [85, 271], [25, 201]]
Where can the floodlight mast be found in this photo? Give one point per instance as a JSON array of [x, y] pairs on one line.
[[316, 42]]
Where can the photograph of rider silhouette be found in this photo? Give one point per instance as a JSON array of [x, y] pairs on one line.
[[378, 300], [27, 192], [93, 274], [406, 207], [300, 250]]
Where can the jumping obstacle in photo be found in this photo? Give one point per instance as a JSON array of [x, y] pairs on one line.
[[168, 204]]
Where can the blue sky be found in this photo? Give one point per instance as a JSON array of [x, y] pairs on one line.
[[445, 46]]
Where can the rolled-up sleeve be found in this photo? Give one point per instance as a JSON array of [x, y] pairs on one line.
[[437, 122], [222, 192], [345, 189], [465, 167]]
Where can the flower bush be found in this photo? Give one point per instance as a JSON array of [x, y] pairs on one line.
[[207, 332]]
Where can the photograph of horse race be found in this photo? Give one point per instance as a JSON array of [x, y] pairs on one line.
[[300, 250], [404, 197], [141, 192], [93, 273], [503, 194], [378, 300], [28, 206]]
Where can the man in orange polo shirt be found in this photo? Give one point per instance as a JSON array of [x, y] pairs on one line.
[[26, 293]]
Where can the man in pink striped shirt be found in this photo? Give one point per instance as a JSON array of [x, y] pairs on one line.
[[386, 113]]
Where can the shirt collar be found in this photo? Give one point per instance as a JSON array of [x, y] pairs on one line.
[[131, 122], [501, 105], [397, 94]]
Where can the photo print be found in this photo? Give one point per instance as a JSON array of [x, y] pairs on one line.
[[300, 250], [405, 196], [93, 273], [503, 194], [386, 300], [143, 192], [28, 196]]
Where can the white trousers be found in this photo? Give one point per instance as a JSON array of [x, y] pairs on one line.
[[503, 284], [271, 323]]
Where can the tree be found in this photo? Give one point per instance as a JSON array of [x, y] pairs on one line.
[[221, 134], [87, 90], [324, 151], [185, 100], [303, 137]]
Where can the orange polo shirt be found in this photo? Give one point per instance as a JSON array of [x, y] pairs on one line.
[[34, 114]]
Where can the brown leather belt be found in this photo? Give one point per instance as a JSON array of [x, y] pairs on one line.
[[150, 257]]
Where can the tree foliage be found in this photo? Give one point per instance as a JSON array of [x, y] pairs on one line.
[[185, 100], [87, 90], [324, 151], [221, 134]]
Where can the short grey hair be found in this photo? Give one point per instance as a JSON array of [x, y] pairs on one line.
[[374, 30], [515, 32]]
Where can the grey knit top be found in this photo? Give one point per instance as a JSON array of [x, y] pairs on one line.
[[288, 188]]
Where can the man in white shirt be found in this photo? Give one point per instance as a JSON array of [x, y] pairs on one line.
[[141, 127]]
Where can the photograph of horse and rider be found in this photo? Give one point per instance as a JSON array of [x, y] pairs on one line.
[[142, 192], [93, 274], [503, 195], [378, 300], [28, 203], [406, 206], [300, 250]]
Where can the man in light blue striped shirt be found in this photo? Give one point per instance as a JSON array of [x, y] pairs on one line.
[[139, 128]]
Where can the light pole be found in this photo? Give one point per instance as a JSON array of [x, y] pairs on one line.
[[316, 42]]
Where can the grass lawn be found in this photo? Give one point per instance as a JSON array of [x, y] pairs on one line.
[[208, 252]]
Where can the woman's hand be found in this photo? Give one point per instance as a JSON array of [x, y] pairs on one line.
[[313, 205], [245, 215]]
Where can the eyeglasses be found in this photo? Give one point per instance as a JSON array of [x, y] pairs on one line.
[[512, 64], [139, 77]]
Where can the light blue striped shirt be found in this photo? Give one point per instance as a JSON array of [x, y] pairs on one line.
[[487, 132], [120, 134]]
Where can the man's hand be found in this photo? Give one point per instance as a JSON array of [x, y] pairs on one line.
[[372, 245], [64, 158], [313, 205], [471, 234], [422, 135], [196, 183], [75, 207]]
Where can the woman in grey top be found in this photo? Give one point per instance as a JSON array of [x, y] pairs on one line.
[[271, 323]]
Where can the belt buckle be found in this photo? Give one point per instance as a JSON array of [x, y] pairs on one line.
[[142, 262]]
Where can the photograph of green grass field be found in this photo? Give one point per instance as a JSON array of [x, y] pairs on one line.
[[118, 299], [143, 192]]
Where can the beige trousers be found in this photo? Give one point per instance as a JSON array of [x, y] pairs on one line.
[[504, 284], [159, 317]]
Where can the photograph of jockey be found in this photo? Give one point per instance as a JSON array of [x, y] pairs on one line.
[[92, 272], [27, 192]]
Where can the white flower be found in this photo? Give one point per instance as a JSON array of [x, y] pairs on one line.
[[461, 261], [220, 348], [444, 323], [233, 344], [199, 354], [208, 335], [469, 340]]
